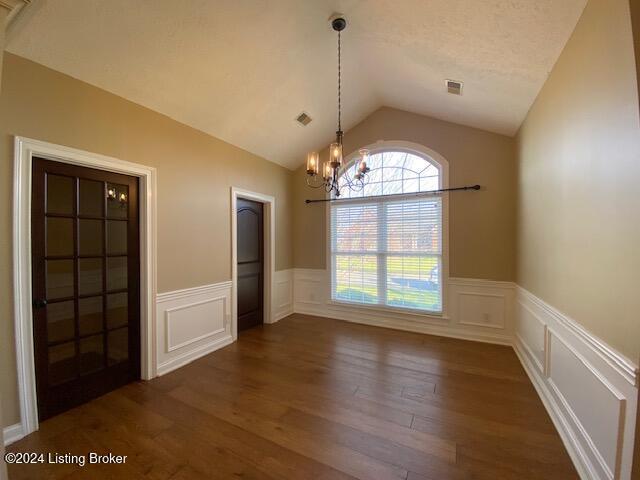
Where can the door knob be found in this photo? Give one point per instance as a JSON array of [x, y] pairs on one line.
[[39, 303]]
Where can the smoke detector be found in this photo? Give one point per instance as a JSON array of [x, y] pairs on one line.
[[454, 87], [303, 119]]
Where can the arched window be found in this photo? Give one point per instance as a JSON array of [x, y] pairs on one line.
[[389, 251], [393, 172]]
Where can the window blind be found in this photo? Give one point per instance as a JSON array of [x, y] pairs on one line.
[[388, 252]]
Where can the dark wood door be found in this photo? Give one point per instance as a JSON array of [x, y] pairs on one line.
[[86, 283], [250, 264]]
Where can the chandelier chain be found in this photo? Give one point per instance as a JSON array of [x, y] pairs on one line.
[[339, 85]]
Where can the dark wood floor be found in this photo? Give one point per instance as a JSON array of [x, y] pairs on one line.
[[312, 398]]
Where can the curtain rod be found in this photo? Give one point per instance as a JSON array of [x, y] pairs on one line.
[[417, 194]]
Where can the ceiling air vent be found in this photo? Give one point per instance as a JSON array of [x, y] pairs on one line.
[[303, 119], [454, 87]]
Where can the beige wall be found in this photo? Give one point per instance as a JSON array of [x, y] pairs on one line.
[[195, 172], [481, 224], [579, 164]]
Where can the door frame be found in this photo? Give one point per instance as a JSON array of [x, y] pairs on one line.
[[24, 151], [268, 232]]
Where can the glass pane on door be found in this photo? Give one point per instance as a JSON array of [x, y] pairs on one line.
[[118, 345], [90, 276], [116, 273], [59, 195], [59, 237], [91, 354], [90, 315], [61, 323], [116, 237], [90, 237], [59, 278], [117, 310], [62, 363], [91, 198]]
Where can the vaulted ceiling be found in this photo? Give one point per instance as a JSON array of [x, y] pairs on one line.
[[242, 70]]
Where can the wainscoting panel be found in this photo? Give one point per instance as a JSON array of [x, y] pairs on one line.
[[282, 301], [192, 323], [482, 306], [480, 310], [311, 287], [588, 388], [531, 332]]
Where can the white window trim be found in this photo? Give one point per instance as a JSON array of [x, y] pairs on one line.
[[443, 168]]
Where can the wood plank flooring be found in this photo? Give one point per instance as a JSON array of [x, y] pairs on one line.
[[313, 398]]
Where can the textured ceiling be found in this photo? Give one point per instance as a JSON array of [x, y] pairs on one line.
[[242, 70]]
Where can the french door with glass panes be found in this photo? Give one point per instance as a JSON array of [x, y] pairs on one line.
[[86, 288]]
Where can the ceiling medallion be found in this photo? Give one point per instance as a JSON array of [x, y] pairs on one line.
[[328, 176]]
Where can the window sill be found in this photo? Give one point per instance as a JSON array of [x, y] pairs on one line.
[[386, 309]]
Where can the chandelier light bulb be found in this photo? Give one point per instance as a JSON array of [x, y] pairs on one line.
[[326, 171], [335, 154], [313, 163], [364, 158]]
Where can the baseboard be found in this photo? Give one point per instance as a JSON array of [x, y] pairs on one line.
[[279, 315], [588, 389], [346, 314], [12, 433], [192, 355]]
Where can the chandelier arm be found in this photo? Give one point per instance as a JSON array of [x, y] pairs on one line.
[[309, 184], [328, 187]]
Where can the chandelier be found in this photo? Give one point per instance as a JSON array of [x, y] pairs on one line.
[[333, 168]]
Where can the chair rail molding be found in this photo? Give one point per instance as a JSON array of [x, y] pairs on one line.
[[24, 150]]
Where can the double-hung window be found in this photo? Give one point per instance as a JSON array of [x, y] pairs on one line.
[[388, 251]]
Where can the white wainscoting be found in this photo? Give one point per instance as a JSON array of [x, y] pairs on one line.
[[479, 310], [589, 389], [282, 301], [192, 323]]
